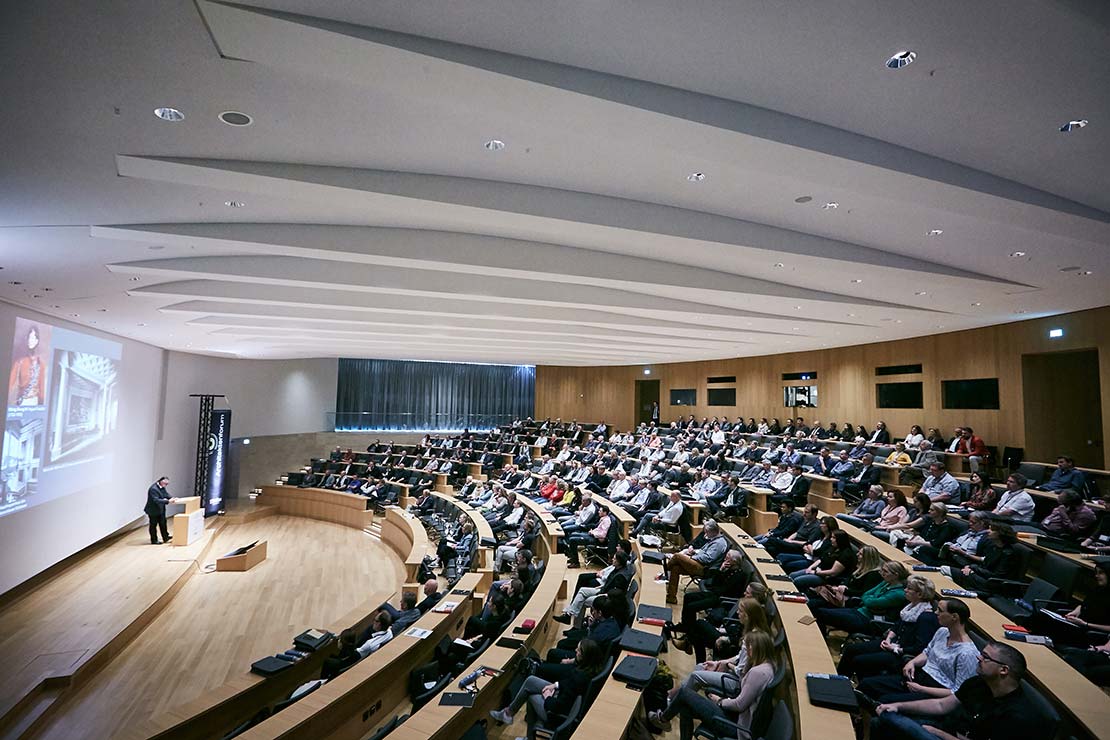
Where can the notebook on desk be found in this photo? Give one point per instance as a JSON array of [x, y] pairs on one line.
[[831, 690]]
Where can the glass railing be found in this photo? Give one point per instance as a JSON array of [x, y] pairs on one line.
[[369, 421]]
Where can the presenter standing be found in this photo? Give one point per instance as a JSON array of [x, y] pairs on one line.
[[156, 499]]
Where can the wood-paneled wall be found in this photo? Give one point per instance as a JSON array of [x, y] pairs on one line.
[[846, 380]]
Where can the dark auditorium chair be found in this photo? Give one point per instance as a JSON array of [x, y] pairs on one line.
[[564, 729], [1034, 473], [723, 729], [1038, 594]]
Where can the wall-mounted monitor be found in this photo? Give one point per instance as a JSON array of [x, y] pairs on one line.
[[898, 395], [684, 396], [722, 396], [799, 395], [980, 393]]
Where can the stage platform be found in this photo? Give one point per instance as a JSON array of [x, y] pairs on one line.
[[116, 643]]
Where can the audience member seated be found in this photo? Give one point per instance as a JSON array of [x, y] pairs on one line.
[[522, 542], [990, 705], [605, 624], [1088, 623], [503, 602], [916, 471], [432, 595], [1093, 662], [940, 486], [729, 580], [974, 448], [935, 531], [404, 617], [907, 637], [940, 669], [1072, 518], [377, 635], [668, 515], [898, 456], [866, 576], [616, 576], [832, 564], [347, 656], [550, 692], [885, 599], [694, 562], [1001, 561], [788, 523], [1065, 477], [916, 516], [981, 494], [914, 438], [689, 705], [970, 547], [867, 512], [596, 537], [808, 531], [856, 485], [1015, 504]]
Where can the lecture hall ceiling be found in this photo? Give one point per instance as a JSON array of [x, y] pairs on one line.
[[365, 213]]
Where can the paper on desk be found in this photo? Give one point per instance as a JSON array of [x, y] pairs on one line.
[[418, 632]]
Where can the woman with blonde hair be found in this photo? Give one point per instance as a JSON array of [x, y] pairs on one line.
[[688, 704], [916, 625], [866, 576]]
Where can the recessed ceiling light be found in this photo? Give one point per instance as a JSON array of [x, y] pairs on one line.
[[696, 176], [75, 315], [495, 145], [1022, 310], [795, 328], [934, 232], [156, 247], [234, 203], [36, 295], [898, 321], [1084, 273], [235, 118], [1017, 254], [797, 308], [830, 206], [1070, 126], [134, 278], [777, 264], [977, 303], [172, 115], [55, 306], [102, 310], [921, 292], [140, 324], [1070, 268], [857, 280], [14, 282], [851, 315], [803, 199], [901, 59]]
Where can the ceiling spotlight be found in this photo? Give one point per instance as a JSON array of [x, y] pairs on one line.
[[1070, 126], [856, 280], [935, 232], [1017, 254], [134, 278], [234, 203], [36, 295], [921, 292], [901, 59], [977, 303], [14, 282], [898, 321], [803, 199], [830, 206], [75, 315], [851, 315], [797, 308], [795, 328], [495, 145], [102, 310], [140, 324], [1084, 273], [1022, 310], [156, 247], [173, 115], [235, 118], [777, 264], [696, 176]]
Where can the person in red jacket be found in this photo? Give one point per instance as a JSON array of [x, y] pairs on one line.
[[973, 447]]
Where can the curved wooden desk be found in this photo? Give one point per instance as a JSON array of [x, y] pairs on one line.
[[481, 527], [406, 536], [319, 503]]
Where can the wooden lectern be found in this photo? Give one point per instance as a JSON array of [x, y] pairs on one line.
[[188, 526], [243, 561]]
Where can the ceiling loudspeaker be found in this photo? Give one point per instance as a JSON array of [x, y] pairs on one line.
[[235, 118]]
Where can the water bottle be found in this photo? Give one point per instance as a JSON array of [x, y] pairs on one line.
[[468, 680]]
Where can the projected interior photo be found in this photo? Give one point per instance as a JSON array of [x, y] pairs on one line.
[[62, 411]]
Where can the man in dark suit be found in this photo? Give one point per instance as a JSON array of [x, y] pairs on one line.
[[156, 499], [868, 475]]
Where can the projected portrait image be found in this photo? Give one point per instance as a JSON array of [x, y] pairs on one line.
[[28, 381], [83, 404]]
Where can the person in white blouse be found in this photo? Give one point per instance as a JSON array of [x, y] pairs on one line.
[[914, 439]]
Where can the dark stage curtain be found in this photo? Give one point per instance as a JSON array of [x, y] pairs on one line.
[[404, 395]]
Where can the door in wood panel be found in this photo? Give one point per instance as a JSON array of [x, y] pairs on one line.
[[647, 400], [1063, 407]]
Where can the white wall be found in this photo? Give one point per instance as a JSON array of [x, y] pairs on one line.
[[266, 397], [36, 538]]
